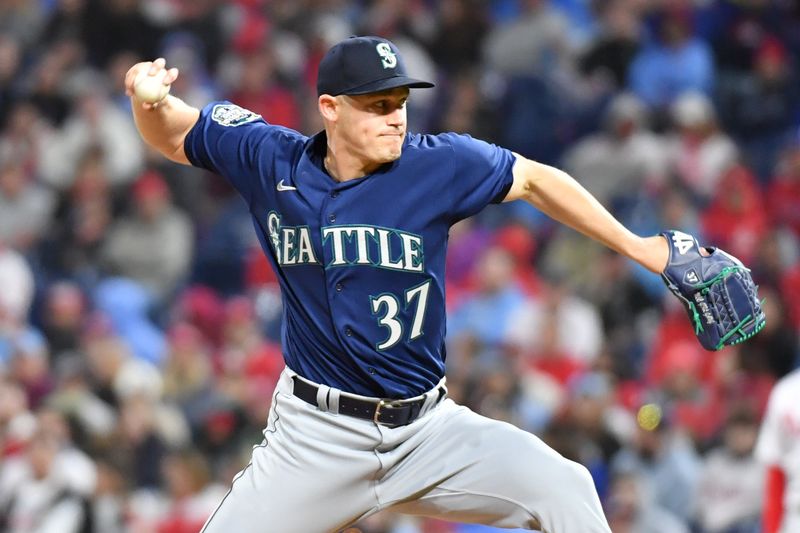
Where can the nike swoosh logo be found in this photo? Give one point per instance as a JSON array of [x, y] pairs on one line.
[[282, 187]]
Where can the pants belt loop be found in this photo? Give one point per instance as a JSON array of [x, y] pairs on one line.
[[431, 397], [286, 378], [333, 401], [322, 397]]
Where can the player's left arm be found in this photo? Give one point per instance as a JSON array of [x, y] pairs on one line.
[[558, 195]]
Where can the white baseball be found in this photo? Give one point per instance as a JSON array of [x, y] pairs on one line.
[[150, 89]]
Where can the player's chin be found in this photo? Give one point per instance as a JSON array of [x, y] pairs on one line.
[[392, 148]]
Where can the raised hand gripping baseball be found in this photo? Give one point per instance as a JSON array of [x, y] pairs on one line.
[[149, 82], [717, 290]]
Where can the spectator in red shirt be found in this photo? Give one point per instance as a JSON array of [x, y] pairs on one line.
[[260, 92], [783, 195], [735, 220]]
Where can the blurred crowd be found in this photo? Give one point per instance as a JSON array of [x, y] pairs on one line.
[[140, 324]]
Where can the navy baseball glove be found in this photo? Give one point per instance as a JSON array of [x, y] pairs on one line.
[[716, 289]]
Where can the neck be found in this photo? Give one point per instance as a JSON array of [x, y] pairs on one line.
[[345, 166]]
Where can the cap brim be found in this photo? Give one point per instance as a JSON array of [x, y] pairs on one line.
[[390, 83]]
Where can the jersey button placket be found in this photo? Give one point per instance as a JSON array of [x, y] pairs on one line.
[[332, 218], [339, 287]]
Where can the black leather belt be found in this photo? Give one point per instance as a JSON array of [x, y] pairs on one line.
[[380, 411]]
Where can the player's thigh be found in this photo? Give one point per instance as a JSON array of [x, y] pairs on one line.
[[311, 474], [486, 471]]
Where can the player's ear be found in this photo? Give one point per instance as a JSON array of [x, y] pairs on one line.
[[328, 107]]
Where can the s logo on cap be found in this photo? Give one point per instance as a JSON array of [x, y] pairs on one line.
[[388, 58]]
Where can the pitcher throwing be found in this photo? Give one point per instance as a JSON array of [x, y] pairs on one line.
[[355, 220]]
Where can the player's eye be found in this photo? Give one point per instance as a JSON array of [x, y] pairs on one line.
[[386, 105]]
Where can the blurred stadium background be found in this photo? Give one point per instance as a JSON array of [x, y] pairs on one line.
[[139, 324]]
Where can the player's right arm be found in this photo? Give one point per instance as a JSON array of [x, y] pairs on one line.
[[163, 125]]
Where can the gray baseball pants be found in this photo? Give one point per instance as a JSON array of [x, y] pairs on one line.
[[317, 472]]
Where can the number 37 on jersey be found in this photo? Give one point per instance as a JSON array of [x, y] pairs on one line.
[[363, 245]]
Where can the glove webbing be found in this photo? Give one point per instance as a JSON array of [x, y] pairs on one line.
[[745, 322], [705, 289]]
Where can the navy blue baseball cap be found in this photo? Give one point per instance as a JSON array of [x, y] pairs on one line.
[[361, 65]]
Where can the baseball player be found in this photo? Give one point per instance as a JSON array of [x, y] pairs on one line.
[[355, 221], [778, 447]]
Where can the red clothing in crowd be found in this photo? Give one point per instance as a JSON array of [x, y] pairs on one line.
[[783, 202], [735, 220]]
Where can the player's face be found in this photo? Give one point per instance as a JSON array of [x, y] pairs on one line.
[[374, 125]]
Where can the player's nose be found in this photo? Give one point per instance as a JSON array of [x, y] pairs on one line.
[[397, 117]]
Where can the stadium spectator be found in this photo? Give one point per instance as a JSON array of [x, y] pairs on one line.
[[25, 208], [542, 323], [732, 481], [667, 464], [486, 316], [759, 107], [82, 219], [631, 511], [674, 62], [623, 159], [153, 245], [607, 60], [96, 122], [735, 219], [698, 151], [535, 44], [10, 55], [16, 290], [783, 195]]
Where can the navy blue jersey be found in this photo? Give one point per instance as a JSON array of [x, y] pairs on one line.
[[360, 263]]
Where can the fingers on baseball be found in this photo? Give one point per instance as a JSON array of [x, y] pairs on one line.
[[172, 75], [157, 65], [132, 74], [130, 77], [152, 70], [150, 106]]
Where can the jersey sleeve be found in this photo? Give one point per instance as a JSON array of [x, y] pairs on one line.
[[237, 144], [483, 174]]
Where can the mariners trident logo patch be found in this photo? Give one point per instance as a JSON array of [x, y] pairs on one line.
[[232, 115]]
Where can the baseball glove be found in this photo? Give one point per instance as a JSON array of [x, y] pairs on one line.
[[716, 289]]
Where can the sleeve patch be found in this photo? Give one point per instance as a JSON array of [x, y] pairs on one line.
[[232, 115]]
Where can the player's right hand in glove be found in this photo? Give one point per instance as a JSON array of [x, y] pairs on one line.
[[717, 290]]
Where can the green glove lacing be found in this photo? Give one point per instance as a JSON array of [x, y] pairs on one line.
[[705, 289], [722, 275], [698, 324], [737, 329]]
